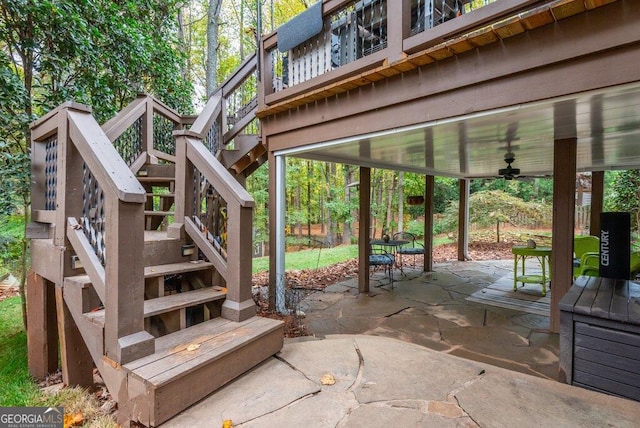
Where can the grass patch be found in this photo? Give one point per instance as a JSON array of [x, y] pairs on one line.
[[319, 258], [18, 389]]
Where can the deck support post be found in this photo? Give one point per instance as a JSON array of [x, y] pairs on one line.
[[564, 187], [277, 242], [42, 334], [463, 220], [364, 230], [428, 223]]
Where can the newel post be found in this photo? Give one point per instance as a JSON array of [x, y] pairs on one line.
[[239, 304], [183, 185]]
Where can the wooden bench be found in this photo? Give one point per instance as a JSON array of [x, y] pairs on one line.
[[600, 336]]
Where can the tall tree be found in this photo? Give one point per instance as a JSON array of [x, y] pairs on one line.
[[213, 25]]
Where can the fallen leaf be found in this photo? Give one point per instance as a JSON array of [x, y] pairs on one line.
[[73, 420], [193, 347], [227, 424], [327, 379]]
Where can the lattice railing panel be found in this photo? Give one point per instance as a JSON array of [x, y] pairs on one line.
[[93, 213], [163, 139], [130, 144], [212, 138], [209, 213], [51, 173]]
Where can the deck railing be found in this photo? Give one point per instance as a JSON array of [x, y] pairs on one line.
[[96, 206], [359, 36], [143, 130]]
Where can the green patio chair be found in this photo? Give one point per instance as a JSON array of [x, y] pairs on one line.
[[584, 245], [591, 264]]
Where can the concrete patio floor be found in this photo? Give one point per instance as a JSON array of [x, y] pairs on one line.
[[391, 357]]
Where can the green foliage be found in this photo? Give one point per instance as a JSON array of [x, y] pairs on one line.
[[625, 194], [538, 189], [10, 244], [493, 207]]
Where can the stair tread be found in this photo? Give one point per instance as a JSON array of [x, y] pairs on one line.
[[152, 179], [168, 303], [162, 195], [176, 268], [152, 212], [187, 350], [77, 280]]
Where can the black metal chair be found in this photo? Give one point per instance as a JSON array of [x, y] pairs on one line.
[[411, 248], [380, 258]]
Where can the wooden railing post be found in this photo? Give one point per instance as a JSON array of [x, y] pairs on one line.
[[125, 337], [147, 127], [239, 304]]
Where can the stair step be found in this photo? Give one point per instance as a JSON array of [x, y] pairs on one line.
[[190, 364], [172, 302], [160, 249], [176, 268]]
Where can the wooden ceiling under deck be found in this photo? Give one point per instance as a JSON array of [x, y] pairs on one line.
[[526, 21]]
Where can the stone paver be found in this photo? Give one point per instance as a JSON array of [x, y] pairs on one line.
[[417, 354]]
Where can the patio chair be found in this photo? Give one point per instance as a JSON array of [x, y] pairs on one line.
[[583, 246], [380, 258], [591, 264], [411, 248]]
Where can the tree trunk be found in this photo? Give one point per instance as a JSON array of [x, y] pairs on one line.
[[212, 45]]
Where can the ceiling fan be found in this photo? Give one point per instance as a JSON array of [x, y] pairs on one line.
[[509, 173]]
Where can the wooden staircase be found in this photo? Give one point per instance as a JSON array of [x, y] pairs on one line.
[[196, 351], [149, 258]]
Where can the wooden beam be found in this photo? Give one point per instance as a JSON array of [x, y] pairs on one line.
[[364, 230], [42, 334]]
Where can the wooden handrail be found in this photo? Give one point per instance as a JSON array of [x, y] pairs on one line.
[[247, 67], [208, 115], [217, 174], [119, 123], [103, 160]]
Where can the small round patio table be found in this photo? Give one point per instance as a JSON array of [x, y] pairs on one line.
[[543, 255]]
